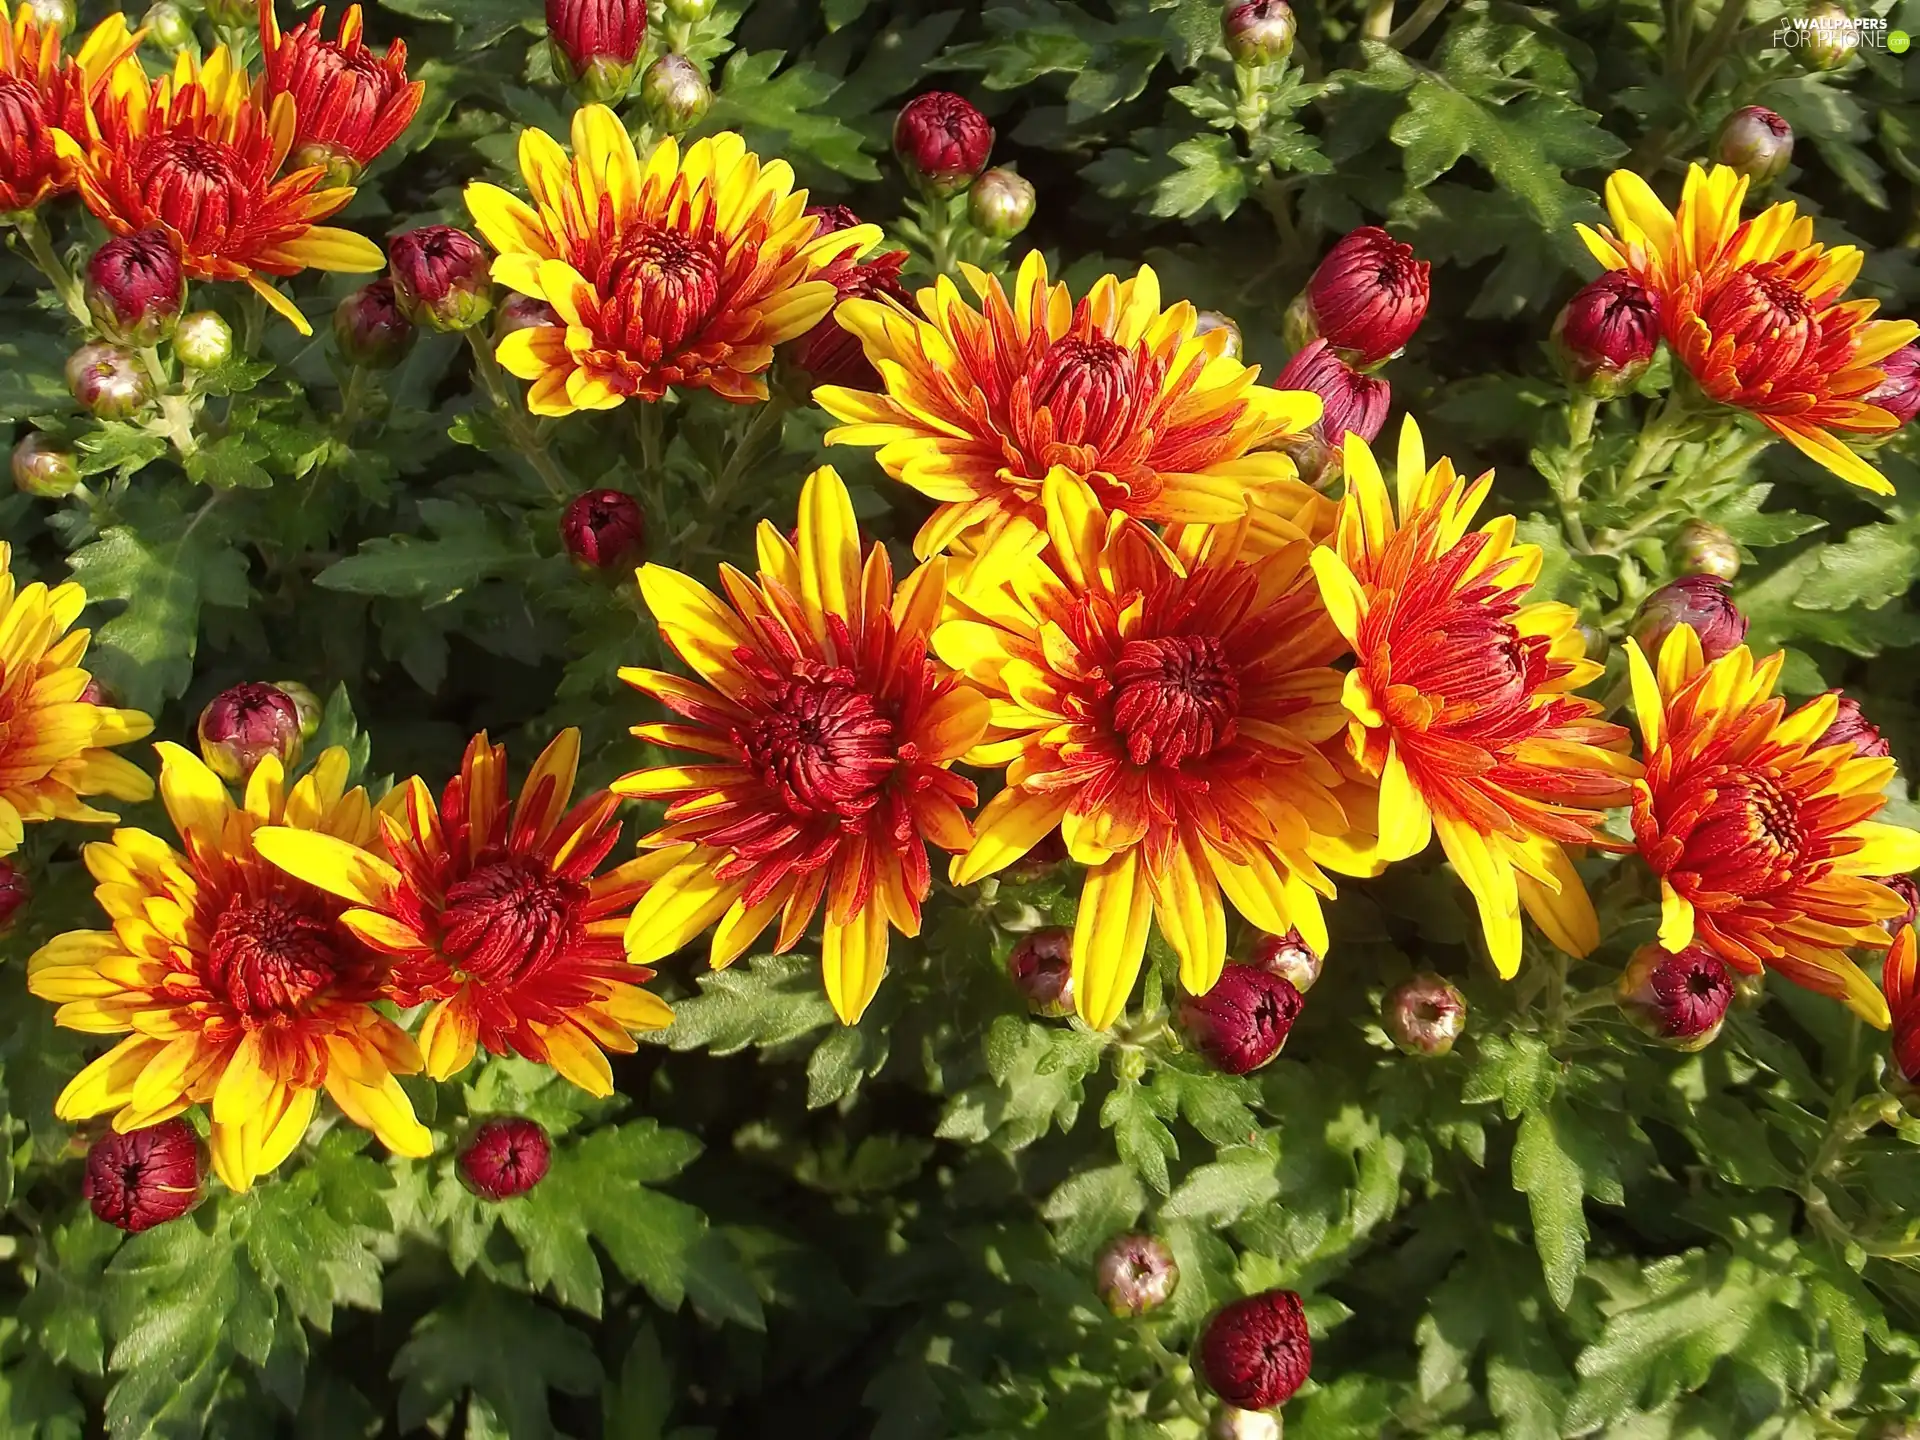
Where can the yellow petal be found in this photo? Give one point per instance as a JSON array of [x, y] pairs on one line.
[[1110, 938], [329, 863]]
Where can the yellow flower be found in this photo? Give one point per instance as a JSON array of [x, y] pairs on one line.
[[682, 270], [981, 406], [1170, 711], [1462, 698], [826, 730], [54, 746], [1756, 312], [239, 985]]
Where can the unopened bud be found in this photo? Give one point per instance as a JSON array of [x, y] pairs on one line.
[[1700, 601], [1679, 999], [604, 530], [305, 703], [109, 381], [692, 12], [1208, 321], [1041, 968], [1289, 957], [1366, 298], [440, 278], [369, 328], [15, 891], [1259, 32], [1755, 141], [1001, 203], [1233, 1423], [676, 95], [1241, 1023], [243, 725], [1349, 401], [596, 44], [1596, 642], [48, 14], [203, 340], [523, 312], [1908, 889], [1899, 393], [942, 140], [340, 167], [1606, 335], [505, 1157], [168, 27], [1424, 1016], [1852, 728], [1255, 1353], [135, 288], [144, 1178], [1135, 1274], [1829, 37], [1703, 548], [43, 469]]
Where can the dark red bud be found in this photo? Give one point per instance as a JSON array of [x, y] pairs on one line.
[[1135, 1274], [523, 312], [1908, 890], [604, 529], [506, 1157], [1899, 393], [1350, 401], [833, 217], [1041, 968], [942, 141], [1241, 1023], [440, 278], [1701, 601], [15, 891], [144, 1177], [582, 31], [242, 726], [369, 328], [1851, 727], [1367, 297], [1607, 333], [1680, 999], [136, 288], [831, 355], [1255, 1353]]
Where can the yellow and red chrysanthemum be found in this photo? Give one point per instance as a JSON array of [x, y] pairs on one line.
[[1762, 835], [349, 102], [1900, 981], [682, 270], [240, 987], [41, 91], [1755, 311], [196, 154], [1462, 698], [1169, 710], [491, 910], [827, 730], [55, 746], [982, 405]]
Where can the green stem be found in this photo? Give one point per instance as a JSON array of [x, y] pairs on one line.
[[1378, 24], [1416, 24], [65, 283], [1707, 58], [517, 421], [352, 397], [1573, 470], [176, 410]]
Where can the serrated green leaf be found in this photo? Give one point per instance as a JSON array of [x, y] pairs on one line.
[[504, 1348], [1551, 1179], [761, 1001]]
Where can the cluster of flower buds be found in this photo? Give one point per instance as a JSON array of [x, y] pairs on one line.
[[1701, 601], [604, 530], [1605, 337], [1679, 999], [1255, 1353], [1243, 1021], [1755, 141], [145, 1177], [1134, 1274], [1423, 1016], [243, 725], [1041, 968], [505, 1157]]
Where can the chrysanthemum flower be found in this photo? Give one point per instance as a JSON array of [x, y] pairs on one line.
[[1901, 981], [1760, 830], [1166, 709], [1462, 698], [41, 91], [827, 730], [240, 986], [491, 910], [55, 746], [980, 406], [682, 270], [1754, 310], [348, 101], [197, 154]]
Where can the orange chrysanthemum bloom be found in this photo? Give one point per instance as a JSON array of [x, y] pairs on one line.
[[982, 405], [682, 270], [195, 154], [1168, 710], [1462, 697], [492, 912], [1762, 835], [41, 91], [55, 747], [1755, 311], [827, 729], [349, 103], [240, 986]]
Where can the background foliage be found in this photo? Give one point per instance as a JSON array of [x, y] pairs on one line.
[[887, 1230]]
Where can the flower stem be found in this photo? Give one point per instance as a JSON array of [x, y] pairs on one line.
[[176, 410], [521, 427], [1573, 470], [65, 283]]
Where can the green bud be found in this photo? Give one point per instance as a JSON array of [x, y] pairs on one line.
[[203, 340], [168, 27], [1829, 37], [692, 12], [676, 95], [1001, 203], [1703, 548], [43, 469]]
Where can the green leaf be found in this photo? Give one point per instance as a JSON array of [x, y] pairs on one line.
[[1139, 1133], [1211, 173], [783, 114], [230, 463], [1518, 1070], [33, 378], [504, 1348], [1223, 1191], [1092, 1207], [1552, 1180], [761, 1001], [465, 552]]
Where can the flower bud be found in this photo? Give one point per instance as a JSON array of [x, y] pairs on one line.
[[505, 1157], [99, 694], [242, 726], [369, 328], [604, 530], [1829, 37], [145, 1177], [15, 891], [1908, 889], [203, 340], [1233, 1423], [1680, 999], [690, 12], [1289, 957], [1899, 393], [50, 14], [522, 312], [1606, 335], [136, 288], [1256, 1352], [1701, 601], [1703, 548], [42, 469], [831, 355], [1135, 1274], [1424, 1016], [1047, 854], [1597, 642], [306, 704], [1001, 203], [942, 142], [1349, 400], [440, 278], [1852, 728], [1208, 321], [676, 95], [339, 165], [1241, 1023], [108, 381], [1755, 141], [167, 26], [1259, 32], [1367, 297], [595, 45], [1041, 967]]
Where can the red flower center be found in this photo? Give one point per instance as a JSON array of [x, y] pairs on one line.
[[268, 959], [1087, 384], [663, 286], [1175, 698], [1460, 656], [194, 185], [1766, 315], [1748, 838], [822, 744], [510, 918]]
